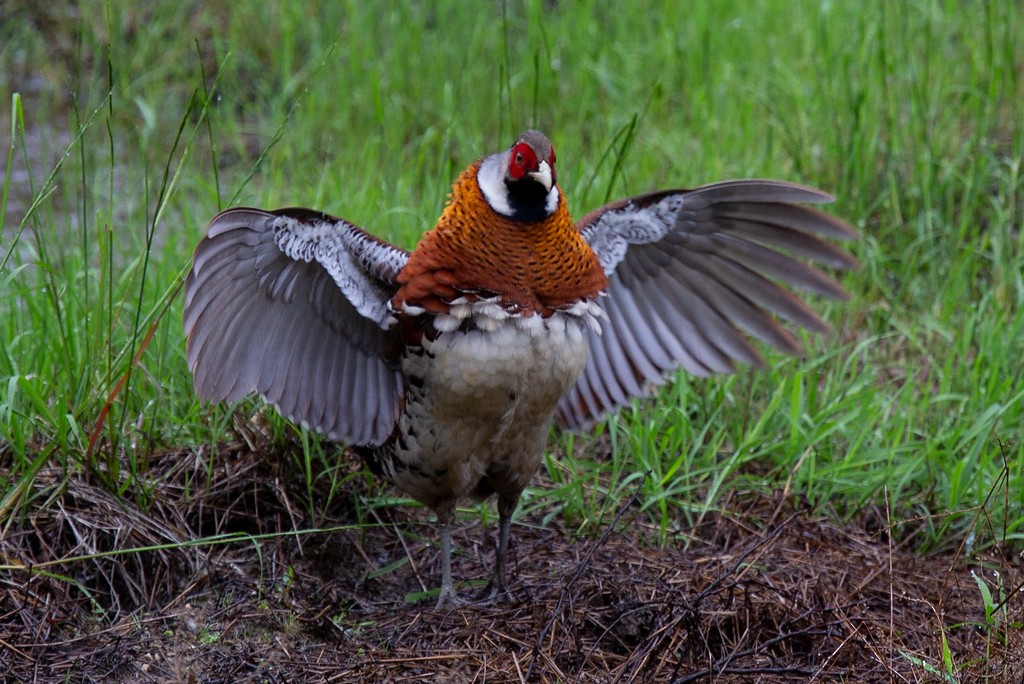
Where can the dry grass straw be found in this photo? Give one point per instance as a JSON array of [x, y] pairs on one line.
[[768, 592]]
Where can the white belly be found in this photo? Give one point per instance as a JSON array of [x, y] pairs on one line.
[[485, 404]]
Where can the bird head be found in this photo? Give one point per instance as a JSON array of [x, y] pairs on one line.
[[520, 183]]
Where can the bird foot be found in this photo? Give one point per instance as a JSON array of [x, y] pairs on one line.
[[496, 592], [448, 599]]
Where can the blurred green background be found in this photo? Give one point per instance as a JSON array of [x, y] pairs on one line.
[[129, 125]]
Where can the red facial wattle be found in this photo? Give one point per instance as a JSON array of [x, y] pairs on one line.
[[524, 160]]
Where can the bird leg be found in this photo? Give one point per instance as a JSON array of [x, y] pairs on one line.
[[497, 587], [446, 598]]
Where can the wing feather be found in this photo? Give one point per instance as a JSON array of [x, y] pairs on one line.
[[633, 355], [615, 344], [292, 305], [692, 273]]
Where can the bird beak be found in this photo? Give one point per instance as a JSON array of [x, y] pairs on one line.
[[543, 175]]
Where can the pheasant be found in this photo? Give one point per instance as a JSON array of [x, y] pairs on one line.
[[445, 367]]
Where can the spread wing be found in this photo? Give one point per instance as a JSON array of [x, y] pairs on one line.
[[692, 274], [292, 304]]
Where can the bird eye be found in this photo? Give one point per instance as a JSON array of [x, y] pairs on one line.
[[523, 159]]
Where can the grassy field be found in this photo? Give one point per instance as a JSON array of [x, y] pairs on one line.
[[128, 129]]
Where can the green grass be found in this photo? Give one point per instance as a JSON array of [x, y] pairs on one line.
[[908, 112]]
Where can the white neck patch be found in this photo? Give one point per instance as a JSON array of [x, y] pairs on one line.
[[552, 202]]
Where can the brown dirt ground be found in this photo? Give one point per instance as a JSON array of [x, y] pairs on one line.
[[769, 592]]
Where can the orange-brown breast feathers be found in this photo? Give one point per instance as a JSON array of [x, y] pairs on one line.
[[534, 267]]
